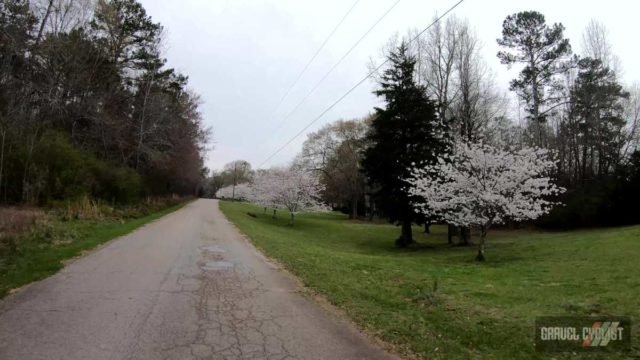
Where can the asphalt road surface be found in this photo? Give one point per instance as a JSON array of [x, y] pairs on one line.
[[187, 286]]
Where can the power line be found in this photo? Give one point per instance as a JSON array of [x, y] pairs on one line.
[[306, 67], [326, 75], [312, 122], [356, 86]]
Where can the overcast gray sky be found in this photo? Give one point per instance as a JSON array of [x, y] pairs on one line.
[[242, 55]]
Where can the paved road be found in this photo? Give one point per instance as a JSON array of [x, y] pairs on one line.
[[187, 286]]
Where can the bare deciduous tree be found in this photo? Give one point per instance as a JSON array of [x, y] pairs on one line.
[[478, 104], [596, 45], [436, 54], [335, 153]]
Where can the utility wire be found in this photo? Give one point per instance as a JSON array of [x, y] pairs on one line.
[[356, 86], [326, 75], [306, 67]]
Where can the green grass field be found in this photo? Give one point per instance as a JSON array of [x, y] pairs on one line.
[[479, 310], [42, 252]]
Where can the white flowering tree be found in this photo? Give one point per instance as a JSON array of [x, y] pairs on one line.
[[264, 187], [242, 192], [294, 189], [480, 185]]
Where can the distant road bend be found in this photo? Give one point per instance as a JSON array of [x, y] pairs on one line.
[[187, 286]]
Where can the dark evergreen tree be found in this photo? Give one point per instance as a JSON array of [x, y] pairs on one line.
[[406, 132], [597, 103], [127, 32]]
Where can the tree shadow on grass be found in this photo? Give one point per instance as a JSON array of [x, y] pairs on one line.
[[283, 221], [389, 247], [498, 255], [416, 247]]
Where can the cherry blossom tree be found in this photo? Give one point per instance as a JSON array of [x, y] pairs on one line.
[[295, 189], [480, 185], [242, 192], [264, 186]]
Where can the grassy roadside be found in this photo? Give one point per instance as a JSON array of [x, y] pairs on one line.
[[43, 251], [436, 302]]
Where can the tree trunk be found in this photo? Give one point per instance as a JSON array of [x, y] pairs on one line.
[[354, 209], [4, 135], [142, 115], [293, 218], [465, 235], [4, 191], [406, 236], [483, 236], [584, 164], [233, 190], [27, 165], [427, 227], [274, 214], [536, 102], [451, 231]]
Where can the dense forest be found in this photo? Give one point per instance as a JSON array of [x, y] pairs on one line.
[[88, 106]]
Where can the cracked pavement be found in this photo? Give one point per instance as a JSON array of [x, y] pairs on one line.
[[187, 286]]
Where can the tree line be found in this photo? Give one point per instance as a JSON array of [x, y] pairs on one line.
[[575, 106], [572, 160], [88, 105]]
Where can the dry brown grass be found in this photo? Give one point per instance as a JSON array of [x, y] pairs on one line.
[[83, 209], [18, 220]]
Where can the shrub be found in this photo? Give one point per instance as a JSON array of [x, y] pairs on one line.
[[118, 185], [606, 201], [65, 172], [8, 249]]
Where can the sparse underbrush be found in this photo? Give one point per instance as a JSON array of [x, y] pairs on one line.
[[86, 208], [15, 220]]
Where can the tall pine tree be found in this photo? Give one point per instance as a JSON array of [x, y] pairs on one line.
[[528, 40], [406, 132]]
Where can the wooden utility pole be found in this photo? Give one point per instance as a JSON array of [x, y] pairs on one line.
[[235, 177]]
